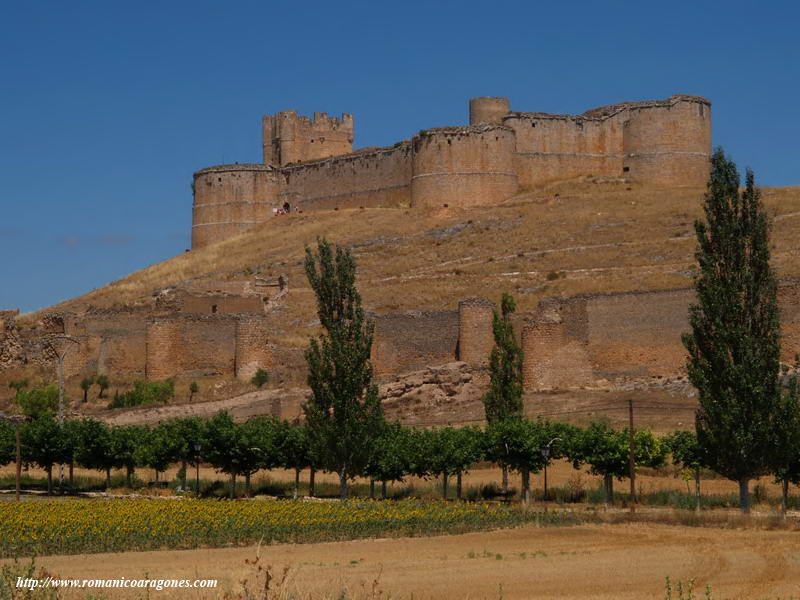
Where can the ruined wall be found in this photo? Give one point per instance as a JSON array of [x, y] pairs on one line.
[[413, 340], [253, 350], [615, 337], [370, 178], [463, 166], [221, 304], [229, 199], [475, 336], [191, 346], [11, 351], [288, 138]]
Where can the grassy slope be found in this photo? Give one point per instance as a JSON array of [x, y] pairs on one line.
[[599, 237]]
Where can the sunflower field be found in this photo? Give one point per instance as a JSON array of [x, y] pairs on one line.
[[114, 525]]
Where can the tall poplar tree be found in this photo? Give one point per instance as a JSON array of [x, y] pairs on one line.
[[343, 415], [734, 345], [503, 400]]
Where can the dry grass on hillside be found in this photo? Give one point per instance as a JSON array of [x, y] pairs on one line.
[[564, 239]]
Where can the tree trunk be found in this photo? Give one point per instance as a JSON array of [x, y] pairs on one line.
[[383, 489], [444, 485], [108, 478], [156, 470], [129, 477], [697, 488], [233, 486], [458, 485], [50, 480], [183, 475], [609, 487], [343, 486], [505, 481], [744, 496], [311, 476], [85, 392], [371, 488], [526, 485], [71, 475], [247, 488], [296, 483], [784, 497]]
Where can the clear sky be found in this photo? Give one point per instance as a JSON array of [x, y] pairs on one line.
[[107, 108]]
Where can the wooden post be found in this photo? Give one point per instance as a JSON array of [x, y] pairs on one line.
[[631, 456]]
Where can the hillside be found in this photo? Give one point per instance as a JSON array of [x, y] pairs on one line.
[[581, 236]]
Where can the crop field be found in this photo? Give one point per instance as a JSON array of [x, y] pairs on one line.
[[75, 526], [600, 561]]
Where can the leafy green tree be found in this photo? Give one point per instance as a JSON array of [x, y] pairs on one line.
[[103, 383], [8, 443], [296, 452], [95, 448], [607, 452], [260, 445], [785, 460], [687, 453], [734, 345], [343, 415], [127, 441], [186, 432], [43, 444], [447, 451], [160, 448], [516, 444], [260, 378], [503, 400], [38, 402], [394, 456], [86, 384]]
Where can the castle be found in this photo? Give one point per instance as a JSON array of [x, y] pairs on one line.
[[309, 164]]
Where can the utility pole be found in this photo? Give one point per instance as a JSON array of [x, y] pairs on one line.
[[631, 456], [55, 343]]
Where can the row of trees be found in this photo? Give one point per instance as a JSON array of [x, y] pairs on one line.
[[240, 450]]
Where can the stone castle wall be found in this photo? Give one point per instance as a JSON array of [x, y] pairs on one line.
[[309, 163], [615, 337]]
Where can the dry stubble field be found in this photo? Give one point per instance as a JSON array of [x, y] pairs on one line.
[[628, 561]]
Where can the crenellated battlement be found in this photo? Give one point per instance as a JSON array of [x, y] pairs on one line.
[[309, 162]]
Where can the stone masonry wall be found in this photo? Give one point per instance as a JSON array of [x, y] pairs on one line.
[[475, 336], [615, 337], [413, 340]]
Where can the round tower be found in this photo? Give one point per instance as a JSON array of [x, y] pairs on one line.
[[488, 109], [229, 199], [668, 143], [463, 166], [475, 336]]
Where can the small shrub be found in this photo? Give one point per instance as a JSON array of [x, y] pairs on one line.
[[260, 378], [145, 393]]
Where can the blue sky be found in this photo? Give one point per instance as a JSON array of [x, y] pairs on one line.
[[106, 109]]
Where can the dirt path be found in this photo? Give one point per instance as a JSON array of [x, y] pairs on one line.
[[596, 561]]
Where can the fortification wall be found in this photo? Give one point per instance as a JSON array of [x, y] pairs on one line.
[[117, 342], [370, 178], [220, 304], [488, 109], [551, 147], [253, 350], [616, 337], [191, 346], [229, 199], [463, 166], [413, 340], [475, 335]]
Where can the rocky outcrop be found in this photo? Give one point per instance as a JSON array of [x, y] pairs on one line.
[[440, 393]]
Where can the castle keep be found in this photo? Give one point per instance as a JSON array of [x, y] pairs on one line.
[[309, 163]]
